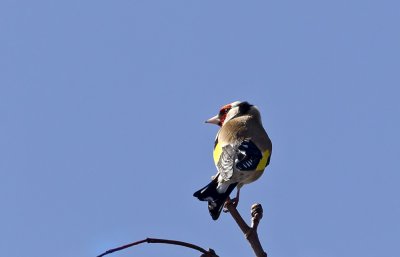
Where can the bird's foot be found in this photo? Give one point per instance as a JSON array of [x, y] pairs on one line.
[[234, 202], [225, 209]]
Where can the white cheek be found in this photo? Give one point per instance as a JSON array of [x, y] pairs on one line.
[[232, 113]]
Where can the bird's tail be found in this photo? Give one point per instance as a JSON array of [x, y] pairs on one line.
[[215, 199]]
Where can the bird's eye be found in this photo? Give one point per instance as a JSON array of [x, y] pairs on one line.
[[223, 111]]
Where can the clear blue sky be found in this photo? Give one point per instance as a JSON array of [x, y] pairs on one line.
[[103, 141]]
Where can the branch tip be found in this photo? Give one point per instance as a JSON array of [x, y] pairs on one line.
[[257, 210]]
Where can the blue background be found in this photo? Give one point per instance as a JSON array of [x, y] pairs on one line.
[[103, 141]]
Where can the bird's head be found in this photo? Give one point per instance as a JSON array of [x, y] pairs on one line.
[[232, 110]]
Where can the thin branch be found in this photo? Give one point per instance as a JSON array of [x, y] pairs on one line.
[[209, 253], [249, 232]]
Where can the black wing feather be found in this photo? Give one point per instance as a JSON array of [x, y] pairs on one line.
[[248, 156], [245, 156]]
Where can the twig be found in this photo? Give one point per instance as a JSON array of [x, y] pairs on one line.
[[249, 232], [209, 253]]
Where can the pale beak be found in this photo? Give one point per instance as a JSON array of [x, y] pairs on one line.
[[214, 120]]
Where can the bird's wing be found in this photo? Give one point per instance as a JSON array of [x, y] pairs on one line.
[[248, 156], [226, 162], [244, 156]]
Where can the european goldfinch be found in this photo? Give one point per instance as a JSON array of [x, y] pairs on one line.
[[242, 150]]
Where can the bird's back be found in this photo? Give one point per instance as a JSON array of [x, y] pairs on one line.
[[239, 130]]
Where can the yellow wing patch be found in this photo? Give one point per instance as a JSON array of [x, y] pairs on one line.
[[261, 165], [217, 153], [263, 162]]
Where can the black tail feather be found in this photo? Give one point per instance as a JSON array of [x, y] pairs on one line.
[[215, 199]]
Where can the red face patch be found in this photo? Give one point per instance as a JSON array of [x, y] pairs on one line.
[[222, 114]]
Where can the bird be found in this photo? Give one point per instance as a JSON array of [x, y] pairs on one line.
[[242, 150]]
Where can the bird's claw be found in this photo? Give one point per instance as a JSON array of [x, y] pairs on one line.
[[234, 202]]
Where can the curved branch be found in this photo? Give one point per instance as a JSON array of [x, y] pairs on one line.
[[209, 253], [249, 232]]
